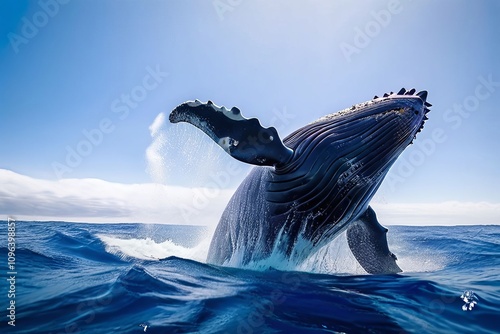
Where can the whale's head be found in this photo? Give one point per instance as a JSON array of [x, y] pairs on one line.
[[386, 124], [341, 159]]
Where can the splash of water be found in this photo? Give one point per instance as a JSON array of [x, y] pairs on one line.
[[470, 299], [181, 154], [148, 249], [333, 258], [412, 260], [337, 258], [156, 166]]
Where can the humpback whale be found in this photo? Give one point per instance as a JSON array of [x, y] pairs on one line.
[[314, 184]]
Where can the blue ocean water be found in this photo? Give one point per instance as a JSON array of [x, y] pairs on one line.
[[136, 278]]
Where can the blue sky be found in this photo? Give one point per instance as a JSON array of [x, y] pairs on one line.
[[67, 69]]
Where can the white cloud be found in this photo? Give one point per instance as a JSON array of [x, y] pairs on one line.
[[444, 213], [94, 200]]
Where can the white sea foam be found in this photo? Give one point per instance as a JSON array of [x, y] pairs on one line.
[[148, 249], [334, 258]]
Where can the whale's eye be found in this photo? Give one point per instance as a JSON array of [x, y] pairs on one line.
[[416, 112]]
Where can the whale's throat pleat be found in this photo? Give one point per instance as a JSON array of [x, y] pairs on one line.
[[337, 168]]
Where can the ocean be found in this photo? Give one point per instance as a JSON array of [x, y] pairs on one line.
[[147, 278]]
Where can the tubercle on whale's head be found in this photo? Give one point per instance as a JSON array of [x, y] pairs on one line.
[[410, 107], [411, 102]]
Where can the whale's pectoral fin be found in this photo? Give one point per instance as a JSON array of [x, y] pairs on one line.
[[242, 138], [367, 240]]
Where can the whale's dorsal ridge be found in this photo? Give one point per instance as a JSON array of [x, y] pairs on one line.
[[245, 139]]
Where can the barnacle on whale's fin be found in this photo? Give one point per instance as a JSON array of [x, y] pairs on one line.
[[242, 138]]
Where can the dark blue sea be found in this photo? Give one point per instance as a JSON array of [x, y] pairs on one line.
[[136, 278]]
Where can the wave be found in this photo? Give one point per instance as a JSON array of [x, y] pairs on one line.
[[120, 278], [334, 258]]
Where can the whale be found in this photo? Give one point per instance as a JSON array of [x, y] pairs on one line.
[[313, 185]]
